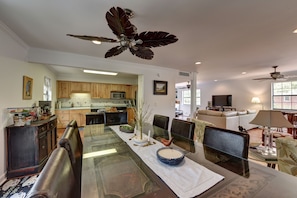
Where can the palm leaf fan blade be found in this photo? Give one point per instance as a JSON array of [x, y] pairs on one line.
[[115, 51], [93, 38], [119, 23], [156, 38], [142, 52]]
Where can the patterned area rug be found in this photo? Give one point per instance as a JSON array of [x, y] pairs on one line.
[[17, 188]]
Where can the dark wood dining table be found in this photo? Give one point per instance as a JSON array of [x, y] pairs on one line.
[[103, 175]]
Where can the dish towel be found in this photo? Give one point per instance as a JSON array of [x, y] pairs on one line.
[[188, 179]]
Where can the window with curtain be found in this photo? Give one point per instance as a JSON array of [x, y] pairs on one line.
[[284, 95], [186, 97]]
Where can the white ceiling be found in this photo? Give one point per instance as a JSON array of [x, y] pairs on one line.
[[227, 36]]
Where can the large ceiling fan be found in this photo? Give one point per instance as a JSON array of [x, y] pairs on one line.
[[138, 44], [273, 75]]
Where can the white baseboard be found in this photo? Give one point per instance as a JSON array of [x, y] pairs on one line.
[[3, 178]]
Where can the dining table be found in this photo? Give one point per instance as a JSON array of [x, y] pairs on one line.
[[115, 166]]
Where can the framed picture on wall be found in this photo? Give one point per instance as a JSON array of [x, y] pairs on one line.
[[27, 88], [160, 87]]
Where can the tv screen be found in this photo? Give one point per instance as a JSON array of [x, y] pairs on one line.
[[222, 100]]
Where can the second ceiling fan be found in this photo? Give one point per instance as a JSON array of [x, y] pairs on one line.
[[273, 75]]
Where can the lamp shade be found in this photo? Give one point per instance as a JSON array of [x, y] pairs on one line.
[[271, 118], [256, 100]]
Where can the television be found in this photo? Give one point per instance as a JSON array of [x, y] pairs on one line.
[[221, 100]]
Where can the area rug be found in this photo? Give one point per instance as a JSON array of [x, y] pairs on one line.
[[17, 188]]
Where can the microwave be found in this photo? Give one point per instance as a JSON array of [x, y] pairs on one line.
[[117, 95]]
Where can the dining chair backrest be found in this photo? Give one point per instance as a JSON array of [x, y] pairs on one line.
[[161, 121], [234, 143], [56, 178], [183, 128], [71, 141], [72, 123], [287, 155]]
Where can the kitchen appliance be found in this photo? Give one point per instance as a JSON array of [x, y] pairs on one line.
[[116, 118], [95, 118], [117, 95]]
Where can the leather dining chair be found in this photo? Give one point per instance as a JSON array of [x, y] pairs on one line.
[[182, 132], [287, 155], [71, 141], [56, 179], [234, 143], [182, 128], [161, 121]]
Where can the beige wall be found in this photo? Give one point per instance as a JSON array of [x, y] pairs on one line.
[[11, 83], [242, 92]]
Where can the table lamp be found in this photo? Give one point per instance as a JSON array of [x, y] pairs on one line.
[[268, 119]]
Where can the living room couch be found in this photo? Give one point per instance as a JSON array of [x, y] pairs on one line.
[[228, 119]]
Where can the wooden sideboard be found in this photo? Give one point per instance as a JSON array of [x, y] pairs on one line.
[[29, 147]]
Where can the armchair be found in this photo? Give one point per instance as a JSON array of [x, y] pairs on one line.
[[287, 155]]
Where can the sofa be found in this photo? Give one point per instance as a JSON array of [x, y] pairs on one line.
[[228, 119]]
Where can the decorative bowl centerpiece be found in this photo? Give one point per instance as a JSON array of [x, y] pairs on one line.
[[170, 156], [127, 128]]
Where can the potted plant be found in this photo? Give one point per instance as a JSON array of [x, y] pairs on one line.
[[142, 114]]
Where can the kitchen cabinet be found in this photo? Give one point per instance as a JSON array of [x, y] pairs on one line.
[[97, 90], [63, 118], [100, 90], [63, 89], [118, 87], [79, 115], [133, 90], [129, 89], [131, 115], [29, 147], [80, 87]]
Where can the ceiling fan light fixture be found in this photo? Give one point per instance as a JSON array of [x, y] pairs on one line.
[[188, 85], [96, 42], [100, 72], [129, 13]]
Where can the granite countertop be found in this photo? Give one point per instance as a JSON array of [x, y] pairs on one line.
[[90, 107], [74, 108]]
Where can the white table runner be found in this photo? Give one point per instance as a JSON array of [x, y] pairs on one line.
[[188, 179]]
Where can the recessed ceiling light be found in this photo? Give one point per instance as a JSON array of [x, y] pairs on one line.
[[198, 63], [295, 31], [96, 42], [243, 73], [215, 80], [100, 72]]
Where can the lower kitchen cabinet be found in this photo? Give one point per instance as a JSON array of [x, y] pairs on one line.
[[63, 118], [79, 115], [29, 147], [131, 115]]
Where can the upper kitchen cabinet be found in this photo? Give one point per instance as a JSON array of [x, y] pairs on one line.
[[80, 87], [119, 87], [100, 90], [128, 89], [63, 89]]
